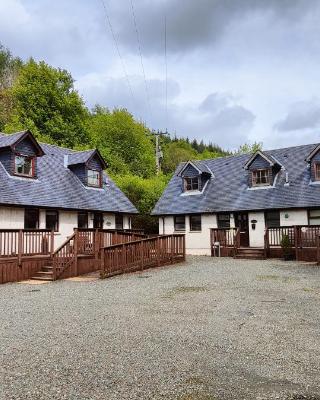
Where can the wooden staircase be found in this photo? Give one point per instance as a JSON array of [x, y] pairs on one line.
[[46, 273], [253, 253]]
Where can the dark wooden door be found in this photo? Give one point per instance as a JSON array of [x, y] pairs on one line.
[[241, 221]]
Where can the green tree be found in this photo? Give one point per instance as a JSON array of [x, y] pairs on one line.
[[125, 143], [248, 148], [176, 152], [144, 193], [47, 103], [9, 69]]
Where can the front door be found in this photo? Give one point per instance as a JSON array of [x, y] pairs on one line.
[[241, 221]]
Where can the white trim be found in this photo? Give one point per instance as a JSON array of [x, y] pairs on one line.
[[258, 153], [20, 178], [265, 187], [195, 192], [193, 165], [313, 153]]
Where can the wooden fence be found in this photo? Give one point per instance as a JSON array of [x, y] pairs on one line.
[[141, 254], [23, 242]]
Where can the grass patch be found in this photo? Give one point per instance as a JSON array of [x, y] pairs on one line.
[[284, 279], [180, 290]]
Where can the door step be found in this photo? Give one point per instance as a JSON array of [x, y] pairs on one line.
[[46, 274], [250, 253]]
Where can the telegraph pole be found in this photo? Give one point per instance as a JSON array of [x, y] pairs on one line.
[[159, 153]]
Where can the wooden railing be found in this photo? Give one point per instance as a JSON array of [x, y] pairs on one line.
[[141, 254], [236, 241], [65, 256], [224, 236], [24, 242], [275, 235], [300, 235]]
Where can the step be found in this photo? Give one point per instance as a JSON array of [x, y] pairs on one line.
[[43, 274], [47, 268], [41, 278]]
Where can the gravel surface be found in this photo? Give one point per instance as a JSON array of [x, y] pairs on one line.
[[207, 329]]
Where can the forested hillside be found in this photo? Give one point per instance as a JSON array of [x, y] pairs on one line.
[[43, 99]]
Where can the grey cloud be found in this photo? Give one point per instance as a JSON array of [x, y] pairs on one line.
[[302, 115], [195, 24]]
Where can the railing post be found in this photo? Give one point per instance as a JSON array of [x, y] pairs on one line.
[[172, 245], [75, 250], [158, 250], [296, 241], [51, 242], [20, 247]]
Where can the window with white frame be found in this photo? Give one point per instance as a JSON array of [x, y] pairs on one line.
[[191, 183], [261, 177], [314, 217], [24, 165], [93, 178], [179, 223]]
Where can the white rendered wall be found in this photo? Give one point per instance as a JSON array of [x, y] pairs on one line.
[[197, 243], [256, 236], [11, 218], [68, 220], [293, 217], [109, 221]]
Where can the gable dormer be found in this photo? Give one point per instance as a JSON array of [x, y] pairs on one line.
[[19, 153], [88, 166], [262, 169], [313, 161], [194, 176]]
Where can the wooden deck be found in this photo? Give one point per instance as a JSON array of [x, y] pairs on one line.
[[29, 254], [304, 239]]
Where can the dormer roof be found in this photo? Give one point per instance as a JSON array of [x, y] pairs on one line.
[[265, 156], [313, 153], [197, 165], [15, 138], [84, 157]]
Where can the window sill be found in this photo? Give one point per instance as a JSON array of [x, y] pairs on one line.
[[195, 231], [190, 193]]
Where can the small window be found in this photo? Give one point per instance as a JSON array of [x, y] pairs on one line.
[[195, 222], [224, 221], [97, 220], [261, 177], [52, 220], [119, 221], [179, 223], [314, 217], [272, 219], [317, 171], [24, 165], [93, 178], [82, 220], [191, 183], [31, 218]]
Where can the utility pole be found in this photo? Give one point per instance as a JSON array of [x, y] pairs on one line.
[[159, 153]]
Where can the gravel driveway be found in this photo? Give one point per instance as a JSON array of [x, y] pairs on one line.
[[207, 329]]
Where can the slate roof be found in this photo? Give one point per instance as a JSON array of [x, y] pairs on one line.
[[80, 157], [57, 186], [9, 140], [228, 189]]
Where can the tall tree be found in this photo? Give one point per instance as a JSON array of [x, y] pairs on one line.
[[125, 143], [46, 102]]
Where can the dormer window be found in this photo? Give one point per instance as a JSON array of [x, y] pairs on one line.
[[317, 171], [191, 183], [261, 177], [93, 178], [24, 165]]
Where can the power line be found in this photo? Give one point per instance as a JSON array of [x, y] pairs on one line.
[[166, 69], [141, 58], [118, 50]]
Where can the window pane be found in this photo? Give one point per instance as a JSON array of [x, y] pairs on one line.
[[191, 183], [272, 219], [31, 218], [83, 220], [52, 220], [260, 177], [97, 221], [119, 221], [179, 223], [23, 165], [223, 221], [195, 222], [93, 177]]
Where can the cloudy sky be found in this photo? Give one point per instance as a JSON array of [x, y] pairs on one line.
[[238, 70]]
